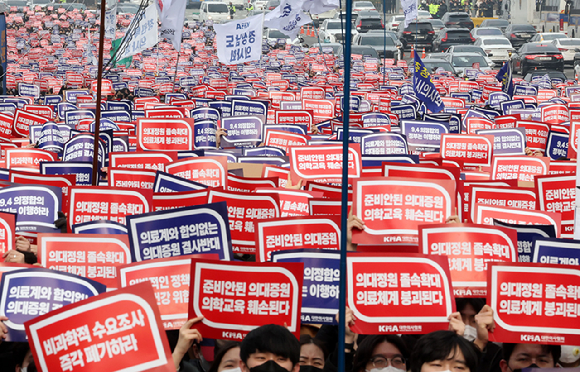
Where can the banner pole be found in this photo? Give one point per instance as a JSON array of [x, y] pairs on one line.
[[385, 40], [344, 198], [175, 75], [99, 95]]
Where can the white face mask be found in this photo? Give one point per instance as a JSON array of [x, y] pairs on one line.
[[237, 369], [386, 369], [470, 333], [23, 369], [570, 354]]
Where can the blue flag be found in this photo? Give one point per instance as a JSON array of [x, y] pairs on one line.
[[424, 88], [505, 76]]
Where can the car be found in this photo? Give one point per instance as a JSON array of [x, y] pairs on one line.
[[331, 31], [319, 18], [498, 49], [361, 6], [215, 11], [260, 4], [486, 31], [276, 37], [437, 24], [419, 34], [361, 50], [272, 4], [457, 19], [502, 24], [193, 4], [452, 36], [568, 48], [548, 36], [519, 34], [394, 21], [385, 47], [335, 47], [368, 21], [463, 61], [470, 49], [423, 14], [537, 55], [553, 74], [433, 64]]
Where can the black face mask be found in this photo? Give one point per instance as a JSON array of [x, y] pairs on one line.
[[269, 366], [533, 365], [310, 369]]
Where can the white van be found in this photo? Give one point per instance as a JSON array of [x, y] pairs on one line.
[[215, 11]]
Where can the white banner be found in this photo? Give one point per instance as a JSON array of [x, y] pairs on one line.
[[172, 25], [239, 41], [319, 6], [111, 19], [146, 35], [163, 7], [287, 18], [410, 10]]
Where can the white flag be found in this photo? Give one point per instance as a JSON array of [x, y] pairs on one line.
[[239, 41], [287, 18], [163, 8], [146, 34], [319, 6], [111, 19], [410, 10], [171, 26]]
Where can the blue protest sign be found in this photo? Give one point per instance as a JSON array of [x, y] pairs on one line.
[[136, 114], [264, 151], [51, 100], [50, 138], [453, 119], [82, 170], [205, 113], [121, 144], [71, 95], [404, 111], [557, 145], [320, 287], [243, 131], [28, 90], [181, 231], [165, 182], [355, 135], [9, 107], [507, 141], [384, 144], [507, 106], [119, 106], [28, 293], [527, 234], [423, 134], [355, 102], [225, 107], [100, 227], [248, 108], [292, 128], [205, 134], [375, 119], [231, 155], [72, 117], [496, 98], [104, 124], [36, 206], [80, 149], [557, 251], [63, 107], [115, 115]]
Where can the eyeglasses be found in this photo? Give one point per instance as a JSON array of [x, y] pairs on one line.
[[382, 362]]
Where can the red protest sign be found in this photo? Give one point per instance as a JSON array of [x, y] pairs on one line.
[[502, 196], [142, 160], [294, 117], [165, 134], [536, 134], [106, 86], [235, 298], [165, 113], [28, 159], [93, 256], [246, 184], [392, 208], [243, 210], [322, 109], [296, 233], [469, 248], [41, 110], [284, 140], [554, 114], [172, 200], [534, 303], [473, 150], [521, 168], [557, 194], [323, 163], [399, 294], [106, 203], [119, 330], [208, 170], [23, 120], [131, 179], [7, 232], [485, 214]]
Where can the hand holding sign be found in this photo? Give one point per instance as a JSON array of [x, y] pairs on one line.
[[187, 336]]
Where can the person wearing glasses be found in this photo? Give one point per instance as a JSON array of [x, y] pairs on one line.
[[384, 353]]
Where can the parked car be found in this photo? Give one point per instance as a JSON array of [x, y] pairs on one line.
[[568, 47], [394, 22], [272, 4], [470, 49], [385, 47], [391, 34], [548, 36], [553, 74], [463, 61], [457, 19], [499, 23], [537, 55], [437, 24], [362, 50], [361, 6], [368, 21], [419, 33], [423, 14], [432, 64], [335, 47], [498, 49], [518, 35], [486, 31], [331, 31], [452, 36]]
